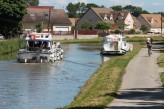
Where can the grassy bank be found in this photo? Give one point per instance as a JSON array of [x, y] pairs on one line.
[[102, 87], [8, 49], [160, 62], [143, 39]]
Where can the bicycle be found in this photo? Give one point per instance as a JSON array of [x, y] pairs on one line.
[[149, 46]]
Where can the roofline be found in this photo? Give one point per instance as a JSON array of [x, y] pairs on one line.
[[96, 13], [145, 20], [42, 7]]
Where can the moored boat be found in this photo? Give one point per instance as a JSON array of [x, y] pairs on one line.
[[115, 44]]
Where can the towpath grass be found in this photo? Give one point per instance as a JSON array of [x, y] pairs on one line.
[[160, 62], [102, 87], [8, 49]]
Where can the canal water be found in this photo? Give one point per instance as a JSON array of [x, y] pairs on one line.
[[48, 85]]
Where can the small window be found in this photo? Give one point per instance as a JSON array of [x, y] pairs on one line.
[[32, 14]]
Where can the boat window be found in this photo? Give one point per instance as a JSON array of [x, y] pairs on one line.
[[109, 39], [123, 39]]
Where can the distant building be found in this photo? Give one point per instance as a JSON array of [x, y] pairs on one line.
[[152, 22], [52, 20], [110, 16]]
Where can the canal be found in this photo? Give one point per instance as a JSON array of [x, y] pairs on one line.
[[48, 85]]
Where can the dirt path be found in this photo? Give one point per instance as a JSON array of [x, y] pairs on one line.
[[141, 86]]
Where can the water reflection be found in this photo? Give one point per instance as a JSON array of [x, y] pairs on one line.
[[47, 85]]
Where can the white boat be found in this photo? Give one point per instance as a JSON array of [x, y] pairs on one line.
[[115, 44], [39, 47]]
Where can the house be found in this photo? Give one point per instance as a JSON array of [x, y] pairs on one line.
[[152, 22], [136, 25], [124, 18], [51, 20], [95, 15], [73, 21]]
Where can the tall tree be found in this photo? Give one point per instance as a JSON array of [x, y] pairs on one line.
[[78, 9], [32, 2], [103, 26], [117, 8], [11, 14], [72, 10], [135, 11]]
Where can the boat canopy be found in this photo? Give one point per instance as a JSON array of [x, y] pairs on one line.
[[39, 36]]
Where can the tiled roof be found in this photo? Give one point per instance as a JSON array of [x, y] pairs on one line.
[[41, 7], [73, 21], [154, 20], [98, 11], [136, 24], [41, 13]]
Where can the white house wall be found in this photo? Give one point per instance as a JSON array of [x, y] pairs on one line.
[[61, 28], [129, 22]]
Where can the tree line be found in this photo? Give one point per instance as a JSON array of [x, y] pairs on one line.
[[12, 12], [79, 9]]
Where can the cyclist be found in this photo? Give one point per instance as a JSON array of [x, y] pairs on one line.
[[149, 45]]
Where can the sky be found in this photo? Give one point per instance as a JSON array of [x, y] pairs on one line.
[[148, 5]]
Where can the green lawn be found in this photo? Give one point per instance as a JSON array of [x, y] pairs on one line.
[[160, 62], [8, 49]]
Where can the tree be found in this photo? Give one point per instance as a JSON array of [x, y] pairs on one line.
[[32, 2], [11, 14], [117, 8], [144, 29], [72, 10], [79, 9], [135, 11], [39, 28], [103, 26], [85, 25]]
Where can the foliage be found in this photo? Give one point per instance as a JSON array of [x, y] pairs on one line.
[[75, 28], [72, 10], [132, 31], [85, 25], [103, 26], [117, 32], [117, 8], [39, 28], [32, 2], [160, 62], [79, 9], [135, 11], [162, 78], [11, 14], [144, 29]]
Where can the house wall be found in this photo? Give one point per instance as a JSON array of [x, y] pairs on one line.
[[143, 22], [90, 16], [129, 22], [31, 26]]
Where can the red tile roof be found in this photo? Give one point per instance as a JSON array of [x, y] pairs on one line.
[[41, 13]]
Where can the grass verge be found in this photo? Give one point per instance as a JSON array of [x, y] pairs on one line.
[[102, 87], [8, 49], [160, 61]]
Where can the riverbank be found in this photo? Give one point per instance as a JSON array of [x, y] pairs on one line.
[[102, 87], [160, 62], [9, 49]]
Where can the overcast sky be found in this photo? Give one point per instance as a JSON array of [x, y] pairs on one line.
[[148, 5]]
